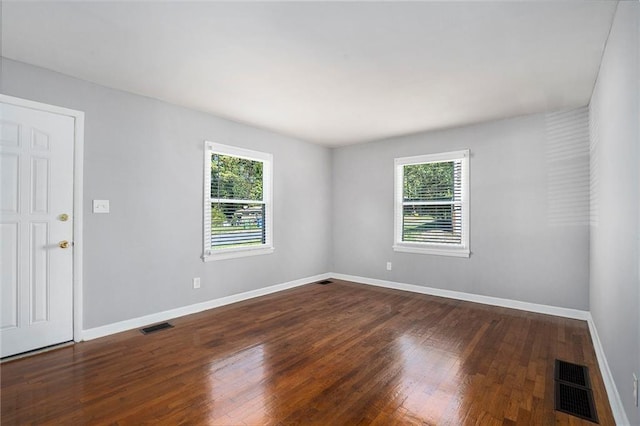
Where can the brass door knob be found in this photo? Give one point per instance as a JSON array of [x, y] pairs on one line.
[[63, 244], [63, 217]]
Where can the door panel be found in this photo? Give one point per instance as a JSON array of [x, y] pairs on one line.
[[9, 172], [39, 273], [36, 160], [9, 275], [39, 185]]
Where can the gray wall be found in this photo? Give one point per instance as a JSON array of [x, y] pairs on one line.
[[146, 156], [529, 231], [615, 285]]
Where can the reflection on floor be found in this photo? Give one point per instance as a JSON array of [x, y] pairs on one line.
[[341, 353]]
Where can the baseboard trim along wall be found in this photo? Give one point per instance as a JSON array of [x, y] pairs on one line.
[[615, 401], [614, 397], [133, 323], [469, 297]]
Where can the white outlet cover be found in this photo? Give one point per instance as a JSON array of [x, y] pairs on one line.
[[101, 206]]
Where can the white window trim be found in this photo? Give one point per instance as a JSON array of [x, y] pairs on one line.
[[267, 196], [457, 250]]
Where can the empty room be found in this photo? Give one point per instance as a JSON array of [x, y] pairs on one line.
[[329, 213]]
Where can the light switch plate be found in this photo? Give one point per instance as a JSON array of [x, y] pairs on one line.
[[101, 206]]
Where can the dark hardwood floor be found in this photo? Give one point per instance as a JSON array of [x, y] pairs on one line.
[[334, 354]]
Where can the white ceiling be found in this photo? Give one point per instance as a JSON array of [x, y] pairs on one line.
[[327, 72]]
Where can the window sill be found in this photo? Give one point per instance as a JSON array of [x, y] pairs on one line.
[[232, 254], [454, 252]]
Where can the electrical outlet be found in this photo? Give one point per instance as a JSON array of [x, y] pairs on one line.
[[196, 282], [635, 389], [389, 266]]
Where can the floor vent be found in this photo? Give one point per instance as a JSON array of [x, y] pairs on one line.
[[572, 373], [157, 327], [576, 401], [325, 282], [573, 394]]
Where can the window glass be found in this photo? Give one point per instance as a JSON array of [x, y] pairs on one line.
[[431, 204], [237, 201]]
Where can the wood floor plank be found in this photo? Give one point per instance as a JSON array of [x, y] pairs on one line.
[[342, 353]]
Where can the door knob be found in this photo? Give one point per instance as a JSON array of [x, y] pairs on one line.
[[63, 217], [63, 244]]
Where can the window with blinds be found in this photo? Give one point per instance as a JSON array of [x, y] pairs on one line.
[[237, 202], [431, 197]]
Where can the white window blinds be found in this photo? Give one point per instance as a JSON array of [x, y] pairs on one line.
[[237, 201], [431, 204]]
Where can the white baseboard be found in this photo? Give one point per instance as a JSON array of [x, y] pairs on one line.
[[615, 401], [117, 327], [614, 397], [469, 297]]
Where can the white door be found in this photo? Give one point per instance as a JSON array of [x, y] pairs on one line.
[[36, 228]]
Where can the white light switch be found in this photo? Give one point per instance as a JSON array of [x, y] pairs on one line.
[[101, 206]]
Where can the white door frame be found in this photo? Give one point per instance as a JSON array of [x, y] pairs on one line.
[[78, 159]]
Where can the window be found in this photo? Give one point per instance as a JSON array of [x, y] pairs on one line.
[[237, 202], [432, 204]]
